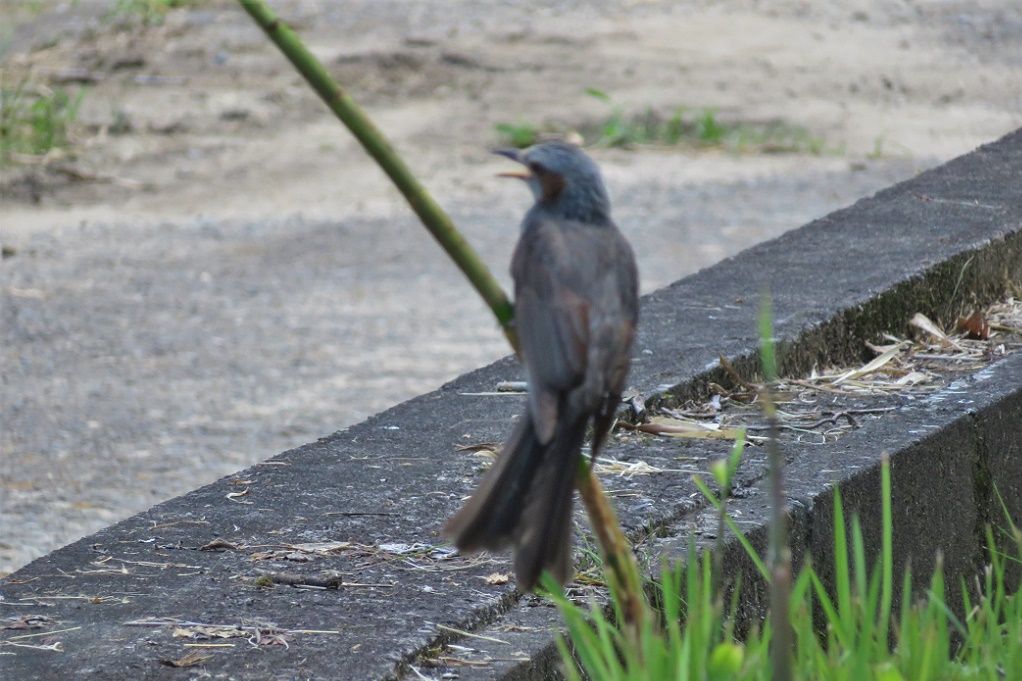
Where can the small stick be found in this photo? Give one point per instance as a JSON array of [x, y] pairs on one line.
[[172, 622], [512, 387], [39, 633], [353, 514], [469, 634], [846, 414], [322, 580]]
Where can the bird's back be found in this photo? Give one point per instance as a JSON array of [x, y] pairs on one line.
[[585, 274]]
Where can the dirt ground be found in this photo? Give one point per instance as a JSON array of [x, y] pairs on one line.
[[214, 272]]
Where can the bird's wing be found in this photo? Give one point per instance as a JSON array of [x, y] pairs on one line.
[[552, 319]]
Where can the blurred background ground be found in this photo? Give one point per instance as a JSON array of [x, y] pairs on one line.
[[201, 270]]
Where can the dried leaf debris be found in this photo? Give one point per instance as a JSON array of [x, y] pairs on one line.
[[832, 401], [255, 633]]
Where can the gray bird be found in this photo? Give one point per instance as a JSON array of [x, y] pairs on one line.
[[576, 307]]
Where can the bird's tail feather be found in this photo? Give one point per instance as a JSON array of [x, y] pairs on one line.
[[543, 535], [525, 499], [488, 518]]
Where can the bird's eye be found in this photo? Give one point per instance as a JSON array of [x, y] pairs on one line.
[[537, 168]]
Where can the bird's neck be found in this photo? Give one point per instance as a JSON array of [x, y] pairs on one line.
[[588, 210]]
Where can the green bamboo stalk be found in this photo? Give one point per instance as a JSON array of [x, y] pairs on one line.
[[619, 562], [375, 143]]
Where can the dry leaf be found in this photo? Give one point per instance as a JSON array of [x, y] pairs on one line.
[[28, 622], [190, 660], [626, 469], [497, 578], [912, 378], [236, 496], [202, 632], [662, 425], [324, 548], [282, 554], [874, 364], [478, 447], [32, 293], [923, 323], [975, 326]]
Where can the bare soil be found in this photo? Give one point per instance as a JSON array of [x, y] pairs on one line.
[[214, 272]]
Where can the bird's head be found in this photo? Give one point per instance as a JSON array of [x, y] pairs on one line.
[[563, 179]]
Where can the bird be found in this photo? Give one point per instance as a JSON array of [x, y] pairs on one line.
[[576, 310]]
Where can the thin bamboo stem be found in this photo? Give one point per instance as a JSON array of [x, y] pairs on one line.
[[618, 558], [375, 143]]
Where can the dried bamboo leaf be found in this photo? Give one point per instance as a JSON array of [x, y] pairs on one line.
[[671, 427], [926, 325], [871, 366]]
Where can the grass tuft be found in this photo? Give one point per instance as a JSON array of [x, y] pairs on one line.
[[35, 120], [852, 641], [846, 629], [518, 135], [146, 12], [700, 128]]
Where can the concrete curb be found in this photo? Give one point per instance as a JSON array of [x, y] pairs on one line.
[[942, 242]]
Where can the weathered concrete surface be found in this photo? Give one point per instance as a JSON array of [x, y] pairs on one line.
[[948, 238], [948, 453]]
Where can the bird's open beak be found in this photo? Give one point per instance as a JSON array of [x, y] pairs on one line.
[[516, 156]]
